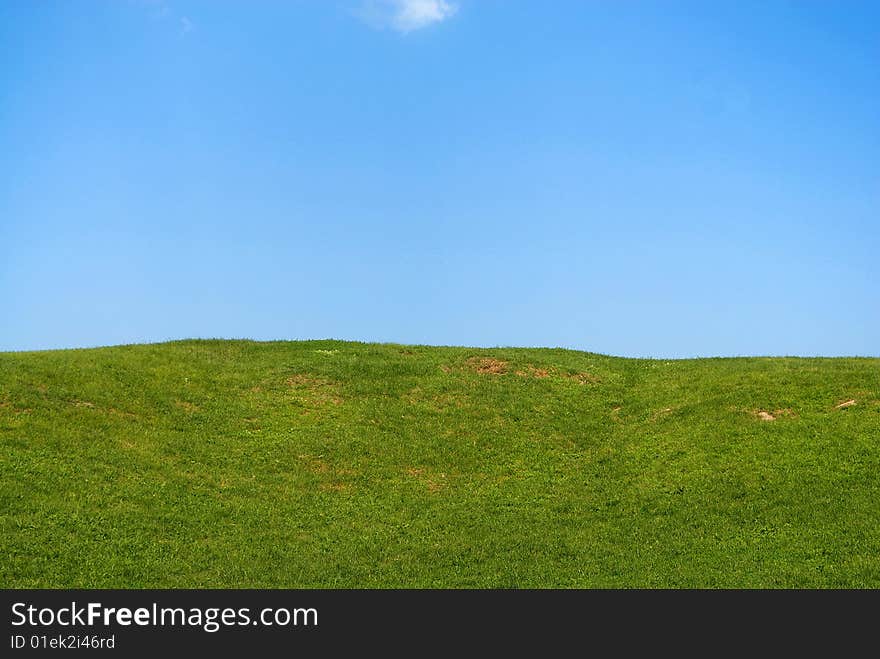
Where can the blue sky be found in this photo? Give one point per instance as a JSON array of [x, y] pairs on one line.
[[667, 179]]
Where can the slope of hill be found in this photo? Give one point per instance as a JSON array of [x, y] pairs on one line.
[[334, 464]]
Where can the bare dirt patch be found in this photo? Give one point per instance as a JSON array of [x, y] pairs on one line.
[[487, 365], [769, 415], [533, 372], [83, 403]]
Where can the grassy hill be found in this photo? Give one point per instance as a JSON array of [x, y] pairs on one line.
[[333, 464]]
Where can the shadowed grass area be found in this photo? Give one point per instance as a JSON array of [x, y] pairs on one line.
[[334, 464]]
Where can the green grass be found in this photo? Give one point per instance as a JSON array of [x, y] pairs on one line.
[[331, 464]]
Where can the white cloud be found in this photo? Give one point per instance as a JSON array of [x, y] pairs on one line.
[[415, 14], [406, 15]]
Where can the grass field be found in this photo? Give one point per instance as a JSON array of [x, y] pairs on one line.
[[331, 464]]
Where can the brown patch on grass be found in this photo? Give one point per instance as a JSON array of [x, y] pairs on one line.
[[487, 365], [768, 415], [434, 486], [533, 372], [331, 478], [335, 487], [320, 467], [434, 482], [9, 408], [315, 464], [445, 368], [314, 391], [190, 408], [83, 403], [306, 380], [659, 414], [845, 404]]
